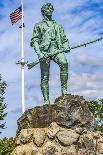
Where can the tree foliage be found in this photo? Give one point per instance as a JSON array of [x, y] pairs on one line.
[[7, 145], [3, 106], [96, 107]]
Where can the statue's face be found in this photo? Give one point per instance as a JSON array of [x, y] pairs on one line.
[[48, 11]]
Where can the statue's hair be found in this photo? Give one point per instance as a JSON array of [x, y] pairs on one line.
[[45, 6]]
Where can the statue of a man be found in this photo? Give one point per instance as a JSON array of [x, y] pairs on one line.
[[48, 37]]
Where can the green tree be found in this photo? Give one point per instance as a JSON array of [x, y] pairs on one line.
[[96, 107], [7, 145], [3, 105]]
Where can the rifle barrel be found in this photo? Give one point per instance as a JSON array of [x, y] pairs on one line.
[[85, 44], [32, 64]]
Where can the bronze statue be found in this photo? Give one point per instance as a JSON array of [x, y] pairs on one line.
[[50, 43], [49, 37]]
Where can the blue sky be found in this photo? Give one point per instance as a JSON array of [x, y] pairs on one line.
[[82, 21]]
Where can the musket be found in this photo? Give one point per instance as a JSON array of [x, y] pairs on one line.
[[32, 64]]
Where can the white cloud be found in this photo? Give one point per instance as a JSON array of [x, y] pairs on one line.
[[87, 84], [89, 60], [68, 5]]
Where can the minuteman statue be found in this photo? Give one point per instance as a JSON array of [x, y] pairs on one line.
[[49, 37]]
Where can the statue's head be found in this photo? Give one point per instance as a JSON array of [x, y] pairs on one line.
[[47, 9]]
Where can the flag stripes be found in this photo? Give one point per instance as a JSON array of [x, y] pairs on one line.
[[16, 15]]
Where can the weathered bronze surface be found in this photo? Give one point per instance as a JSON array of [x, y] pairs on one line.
[[49, 37]]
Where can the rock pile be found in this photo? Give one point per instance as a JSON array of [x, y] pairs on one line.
[[56, 140], [65, 128]]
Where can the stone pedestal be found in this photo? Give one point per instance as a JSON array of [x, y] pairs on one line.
[[56, 140], [65, 128]]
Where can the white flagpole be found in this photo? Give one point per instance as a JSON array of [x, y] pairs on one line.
[[23, 61]]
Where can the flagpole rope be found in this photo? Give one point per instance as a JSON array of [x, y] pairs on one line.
[[23, 61]]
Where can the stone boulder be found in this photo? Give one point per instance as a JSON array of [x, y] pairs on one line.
[[39, 137], [70, 111], [67, 137], [27, 149]]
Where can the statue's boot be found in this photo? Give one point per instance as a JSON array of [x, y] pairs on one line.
[[45, 92]]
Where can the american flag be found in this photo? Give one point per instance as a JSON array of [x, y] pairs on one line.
[[16, 15]]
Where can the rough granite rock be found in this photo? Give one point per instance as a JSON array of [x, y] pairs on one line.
[[27, 149], [70, 150], [25, 136], [70, 111], [100, 148], [53, 130], [50, 148], [67, 137], [63, 142], [87, 142], [39, 137]]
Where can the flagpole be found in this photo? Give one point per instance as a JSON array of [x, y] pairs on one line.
[[22, 61]]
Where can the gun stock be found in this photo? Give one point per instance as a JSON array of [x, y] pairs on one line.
[[32, 64]]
